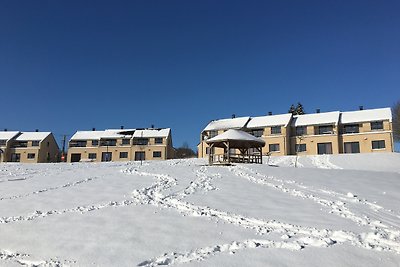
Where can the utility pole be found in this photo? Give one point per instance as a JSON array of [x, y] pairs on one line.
[[63, 148]]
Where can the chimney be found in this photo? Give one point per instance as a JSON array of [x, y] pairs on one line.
[[269, 113], [361, 107], [122, 127], [152, 126], [233, 116], [318, 110], [93, 129], [37, 130], [5, 130]]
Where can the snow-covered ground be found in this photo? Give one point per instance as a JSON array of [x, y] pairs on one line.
[[331, 211]]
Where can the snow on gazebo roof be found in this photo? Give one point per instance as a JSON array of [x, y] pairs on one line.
[[237, 139], [223, 124], [316, 119], [271, 120], [379, 114]]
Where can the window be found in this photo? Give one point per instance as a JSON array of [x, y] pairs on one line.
[[258, 132], [351, 147], [377, 125], [95, 142], [273, 147], [92, 155], [327, 129], [35, 143], [123, 155], [31, 155], [126, 141], [301, 148], [15, 157], [48, 144], [212, 134], [77, 144], [141, 141], [158, 140], [110, 142], [324, 148], [3, 142], [379, 144], [276, 130], [156, 154], [301, 130], [351, 128]]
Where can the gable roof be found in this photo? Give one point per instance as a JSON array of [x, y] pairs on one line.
[[7, 135], [97, 135], [223, 124], [32, 136], [316, 119], [272, 120], [379, 114]]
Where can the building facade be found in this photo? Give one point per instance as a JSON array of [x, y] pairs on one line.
[[361, 131], [28, 147], [121, 145]]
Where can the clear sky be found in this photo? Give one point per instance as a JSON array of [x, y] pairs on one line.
[[75, 65]]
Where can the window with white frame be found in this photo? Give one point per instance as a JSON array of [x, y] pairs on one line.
[[377, 125], [378, 144], [156, 154]]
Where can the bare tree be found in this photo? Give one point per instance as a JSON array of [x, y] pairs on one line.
[[396, 121]]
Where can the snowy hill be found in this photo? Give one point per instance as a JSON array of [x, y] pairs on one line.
[[331, 211]]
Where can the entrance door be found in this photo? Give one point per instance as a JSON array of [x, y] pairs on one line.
[[106, 156], [140, 155], [324, 148], [352, 147], [15, 157], [75, 157]]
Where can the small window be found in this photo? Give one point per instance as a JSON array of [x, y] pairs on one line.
[[273, 147], [95, 142], [123, 155], [301, 148], [35, 143], [351, 128], [327, 129], [92, 155], [126, 141], [158, 140], [258, 132], [48, 144], [31, 155], [3, 142], [301, 130], [379, 144], [156, 154], [276, 130], [377, 125]]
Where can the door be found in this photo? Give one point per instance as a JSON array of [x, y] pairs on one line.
[[140, 155], [15, 157], [352, 147], [324, 148], [75, 157], [106, 156]]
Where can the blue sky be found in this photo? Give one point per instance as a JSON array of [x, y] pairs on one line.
[[75, 65]]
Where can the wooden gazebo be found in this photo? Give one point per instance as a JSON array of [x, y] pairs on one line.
[[233, 141]]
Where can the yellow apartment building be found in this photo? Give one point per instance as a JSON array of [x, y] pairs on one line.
[[360, 131], [121, 145], [28, 147]]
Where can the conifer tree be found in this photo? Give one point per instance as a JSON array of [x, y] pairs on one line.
[[396, 121], [300, 109]]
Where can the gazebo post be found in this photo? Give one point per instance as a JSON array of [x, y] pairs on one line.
[[211, 155], [228, 153]]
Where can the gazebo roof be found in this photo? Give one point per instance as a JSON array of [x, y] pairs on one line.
[[236, 139]]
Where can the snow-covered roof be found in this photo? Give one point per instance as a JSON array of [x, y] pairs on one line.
[[6, 135], [272, 120], [32, 136], [236, 135], [223, 124], [97, 135], [152, 133], [316, 119], [366, 115]]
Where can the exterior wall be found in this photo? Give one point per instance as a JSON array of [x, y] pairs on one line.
[[281, 139], [366, 136], [311, 139]]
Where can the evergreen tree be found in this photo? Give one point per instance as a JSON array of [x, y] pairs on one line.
[[396, 121], [292, 109], [300, 109]]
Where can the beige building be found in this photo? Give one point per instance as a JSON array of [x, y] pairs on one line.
[[28, 147], [121, 145], [360, 131]]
